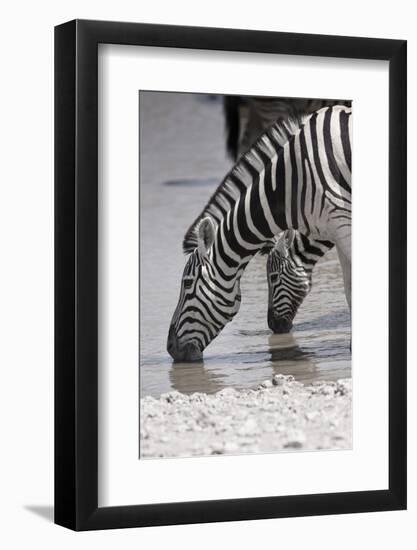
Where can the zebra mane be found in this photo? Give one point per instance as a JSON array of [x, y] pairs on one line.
[[241, 176], [267, 248]]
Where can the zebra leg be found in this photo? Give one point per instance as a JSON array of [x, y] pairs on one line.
[[346, 265], [343, 246]]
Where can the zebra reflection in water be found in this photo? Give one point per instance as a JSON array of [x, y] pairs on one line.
[[189, 378]]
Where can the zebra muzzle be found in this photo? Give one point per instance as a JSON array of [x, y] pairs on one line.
[[186, 353], [278, 325]]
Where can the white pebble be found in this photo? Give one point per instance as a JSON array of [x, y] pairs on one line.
[[231, 447]]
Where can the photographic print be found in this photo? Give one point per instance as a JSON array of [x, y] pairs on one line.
[[245, 270]]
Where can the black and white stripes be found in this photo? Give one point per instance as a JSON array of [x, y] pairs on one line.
[[296, 176], [246, 118], [290, 263]]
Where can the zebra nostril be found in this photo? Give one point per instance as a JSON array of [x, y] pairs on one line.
[[192, 353], [278, 325]]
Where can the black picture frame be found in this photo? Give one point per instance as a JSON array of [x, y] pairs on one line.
[[76, 272]]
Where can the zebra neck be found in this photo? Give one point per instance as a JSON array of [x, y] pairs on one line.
[[307, 251], [257, 213], [255, 168], [239, 237]]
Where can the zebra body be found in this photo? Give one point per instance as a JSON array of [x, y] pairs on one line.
[[298, 181], [249, 117], [246, 118]]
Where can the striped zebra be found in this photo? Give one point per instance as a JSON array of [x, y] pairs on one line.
[[290, 262], [247, 117], [289, 269], [299, 173]]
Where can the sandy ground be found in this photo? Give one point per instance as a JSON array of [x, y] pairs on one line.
[[280, 415]]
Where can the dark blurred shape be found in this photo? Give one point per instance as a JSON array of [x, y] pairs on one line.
[[192, 182]]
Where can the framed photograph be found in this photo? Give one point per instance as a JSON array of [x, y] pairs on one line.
[[230, 324]]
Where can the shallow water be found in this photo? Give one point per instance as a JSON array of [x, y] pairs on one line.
[[182, 161]]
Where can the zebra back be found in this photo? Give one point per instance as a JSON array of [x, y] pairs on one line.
[[241, 175], [248, 117]]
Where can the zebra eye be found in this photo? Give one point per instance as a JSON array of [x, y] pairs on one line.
[[188, 283], [274, 277]]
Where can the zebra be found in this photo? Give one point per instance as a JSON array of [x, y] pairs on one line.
[[300, 173], [289, 270], [247, 117], [290, 262]]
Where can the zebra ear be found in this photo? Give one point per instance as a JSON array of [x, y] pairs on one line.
[[205, 235], [267, 247], [284, 242], [289, 236]]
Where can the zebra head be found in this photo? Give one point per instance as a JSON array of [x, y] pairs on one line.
[[205, 304], [288, 283]]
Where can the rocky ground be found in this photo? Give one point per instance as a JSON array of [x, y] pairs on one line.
[[280, 415]]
